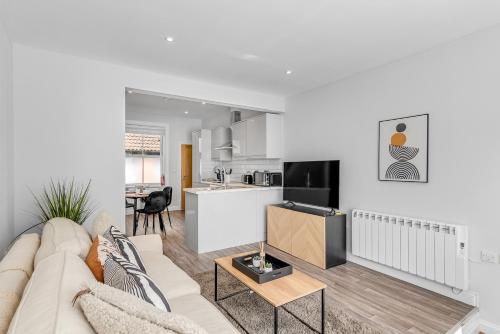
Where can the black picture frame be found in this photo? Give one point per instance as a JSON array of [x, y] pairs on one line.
[[427, 150]]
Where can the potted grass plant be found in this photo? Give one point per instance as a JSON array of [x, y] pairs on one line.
[[64, 199]]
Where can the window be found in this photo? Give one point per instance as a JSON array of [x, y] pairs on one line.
[[143, 158]]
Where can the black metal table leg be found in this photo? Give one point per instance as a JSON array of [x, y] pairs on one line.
[[135, 216], [322, 311], [276, 309], [276, 320], [215, 290]]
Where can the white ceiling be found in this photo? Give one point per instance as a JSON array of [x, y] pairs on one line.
[[173, 107], [249, 44]]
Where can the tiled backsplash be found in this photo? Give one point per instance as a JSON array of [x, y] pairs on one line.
[[242, 166]]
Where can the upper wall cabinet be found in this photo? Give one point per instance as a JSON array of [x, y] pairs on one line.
[[202, 153], [258, 137]]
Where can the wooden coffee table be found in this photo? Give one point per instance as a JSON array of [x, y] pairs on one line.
[[278, 292]]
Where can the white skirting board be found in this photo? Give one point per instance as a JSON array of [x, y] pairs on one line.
[[468, 297], [475, 325]]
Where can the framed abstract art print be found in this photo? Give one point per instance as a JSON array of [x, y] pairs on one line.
[[403, 149]]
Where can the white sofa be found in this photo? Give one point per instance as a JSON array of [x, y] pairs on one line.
[[46, 304]]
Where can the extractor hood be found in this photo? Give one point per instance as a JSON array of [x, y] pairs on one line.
[[225, 146]]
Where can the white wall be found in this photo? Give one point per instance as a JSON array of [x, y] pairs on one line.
[[6, 136], [179, 132], [69, 121], [459, 86], [224, 119]]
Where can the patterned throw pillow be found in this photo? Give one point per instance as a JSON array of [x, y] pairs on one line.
[[126, 276], [126, 247], [98, 253]]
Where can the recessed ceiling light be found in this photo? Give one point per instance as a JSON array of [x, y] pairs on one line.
[[288, 72], [130, 91], [203, 102], [250, 57], [186, 112], [169, 39]]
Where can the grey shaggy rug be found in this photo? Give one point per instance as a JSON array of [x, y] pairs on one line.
[[257, 316]]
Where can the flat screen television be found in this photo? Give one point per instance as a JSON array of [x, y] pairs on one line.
[[312, 182]]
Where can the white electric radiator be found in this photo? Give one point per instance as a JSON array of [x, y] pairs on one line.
[[433, 250]]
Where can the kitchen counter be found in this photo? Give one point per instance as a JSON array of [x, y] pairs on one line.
[[213, 187], [218, 218]]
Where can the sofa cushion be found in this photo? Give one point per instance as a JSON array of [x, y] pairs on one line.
[[61, 234], [46, 306], [201, 311], [15, 270], [21, 254], [126, 247], [12, 284], [126, 276], [110, 310], [171, 280], [148, 243]]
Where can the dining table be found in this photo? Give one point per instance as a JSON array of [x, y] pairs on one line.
[[135, 196]]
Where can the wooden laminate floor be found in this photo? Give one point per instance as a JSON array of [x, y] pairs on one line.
[[392, 305]]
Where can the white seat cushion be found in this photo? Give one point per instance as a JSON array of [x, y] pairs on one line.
[[61, 234], [201, 311], [46, 306], [169, 278], [148, 243]]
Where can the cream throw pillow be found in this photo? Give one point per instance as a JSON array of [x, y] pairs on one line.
[[63, 235], [102, 222], [111, 310]]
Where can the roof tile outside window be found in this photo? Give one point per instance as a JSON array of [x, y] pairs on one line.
[[140, 143]]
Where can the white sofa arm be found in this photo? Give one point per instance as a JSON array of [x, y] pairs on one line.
[[148, 243]]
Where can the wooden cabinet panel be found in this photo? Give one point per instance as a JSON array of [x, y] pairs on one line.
[[308, 234], [308, 238], [279, 232]]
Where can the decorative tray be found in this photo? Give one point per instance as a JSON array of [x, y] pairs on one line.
[[245, 265]]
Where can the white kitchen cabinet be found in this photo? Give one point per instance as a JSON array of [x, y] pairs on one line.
[[239, 133], [202, 153], [221, 137], [221, 219], [196, 158], [261, 137], [256, 136]]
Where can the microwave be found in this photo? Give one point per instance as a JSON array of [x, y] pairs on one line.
[[268, 179]]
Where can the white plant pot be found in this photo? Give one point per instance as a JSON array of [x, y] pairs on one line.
[[267, 270], [256, 263]]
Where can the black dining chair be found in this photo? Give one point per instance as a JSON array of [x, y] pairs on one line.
[[167, 191], [129, 205], [155, 205]]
